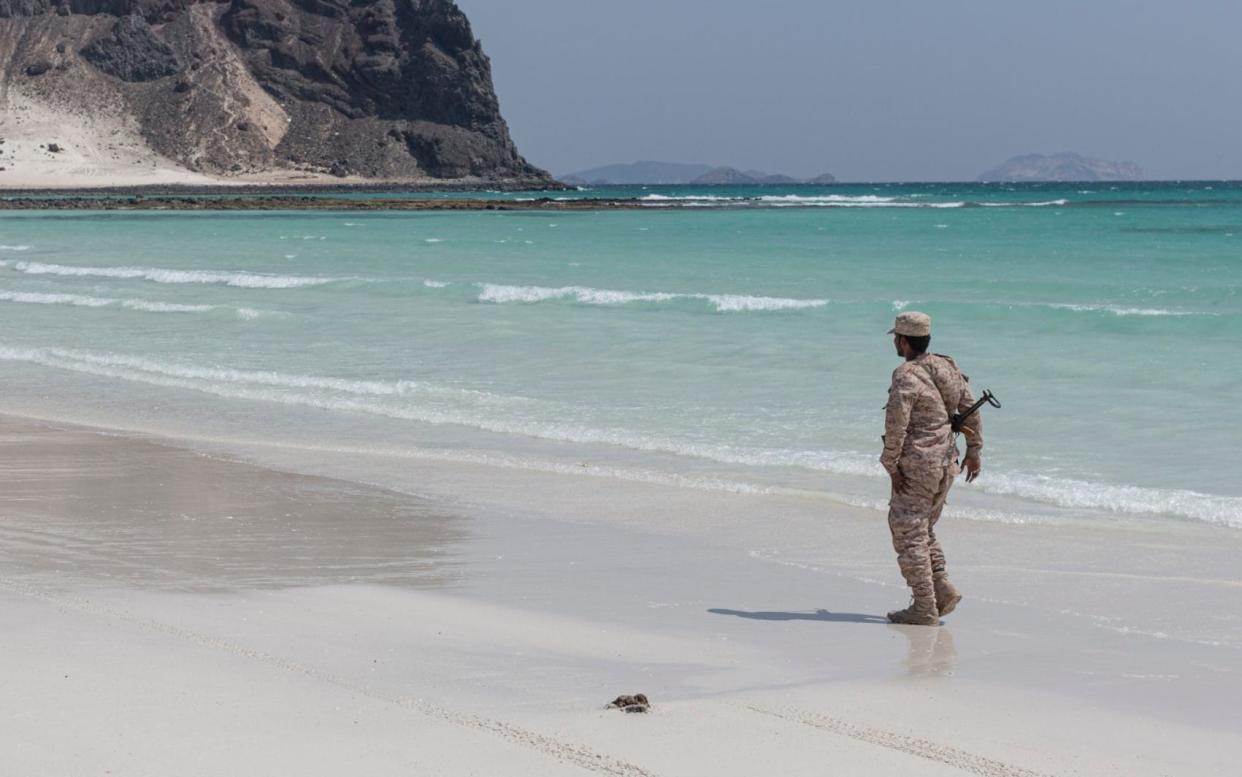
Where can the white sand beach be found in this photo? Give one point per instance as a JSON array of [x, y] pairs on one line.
[[171, 609], [46, 147]]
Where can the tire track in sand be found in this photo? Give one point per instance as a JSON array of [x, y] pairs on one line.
[[904, 743], [565, 752]]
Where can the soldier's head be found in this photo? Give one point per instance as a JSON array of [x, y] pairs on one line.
[[911, 334], [911, 347]]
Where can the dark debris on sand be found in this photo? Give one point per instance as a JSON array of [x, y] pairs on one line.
[[636, 703]]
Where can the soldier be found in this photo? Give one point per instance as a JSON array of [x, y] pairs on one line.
[[921, 457]]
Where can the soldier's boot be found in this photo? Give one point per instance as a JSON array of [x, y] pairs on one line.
[[917, 614], [947, 595], [921, 612]]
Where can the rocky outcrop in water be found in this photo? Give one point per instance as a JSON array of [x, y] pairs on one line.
[[376, 89]]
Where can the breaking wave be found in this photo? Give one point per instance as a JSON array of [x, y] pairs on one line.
[[158, 275], [840, 201], [143, 305], [164, 307], [723, 303], [699, 198], [33, 298], [1119, 310], [1131, 500], [1100, 307], [82, 300], [1048, 204], [827, 201]]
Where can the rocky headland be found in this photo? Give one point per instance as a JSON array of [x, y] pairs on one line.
[[134, 92]]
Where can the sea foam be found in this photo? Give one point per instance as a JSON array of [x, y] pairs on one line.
[[843, 201], [727, 303], [159, 275], [827, 201], [35, 298], [164, 307], [1125, 499], [1045, 204], [723, 303], [689, 198], [793, 200], [1120, 310], [82, 300]]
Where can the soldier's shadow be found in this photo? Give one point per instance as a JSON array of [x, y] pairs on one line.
[[816, 615]]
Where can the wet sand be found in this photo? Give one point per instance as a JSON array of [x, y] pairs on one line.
[[171, 612], [79, 505]]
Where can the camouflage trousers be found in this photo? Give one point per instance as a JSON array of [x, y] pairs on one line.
[[912, 517]]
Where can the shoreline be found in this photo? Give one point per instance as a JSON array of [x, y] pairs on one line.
[[272, 203], [198, 596], [250, 188]]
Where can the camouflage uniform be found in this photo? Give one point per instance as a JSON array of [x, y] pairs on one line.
[[918, 442]]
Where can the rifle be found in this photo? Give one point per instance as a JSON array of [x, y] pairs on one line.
[[957, 419]]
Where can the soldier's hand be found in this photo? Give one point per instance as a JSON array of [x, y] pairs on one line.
[[973, 467], [899, 482]]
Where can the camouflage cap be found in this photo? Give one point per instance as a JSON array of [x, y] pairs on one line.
[[912, 324]]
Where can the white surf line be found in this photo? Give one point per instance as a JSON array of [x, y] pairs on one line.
[[565, 752], [235, 278], [903, 743], [724, 303], [81, 300]]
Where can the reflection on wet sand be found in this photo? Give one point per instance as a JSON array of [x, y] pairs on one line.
[[77, 504], [932, 651], [817, 615]]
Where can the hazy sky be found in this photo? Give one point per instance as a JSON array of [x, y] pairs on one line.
[[869, 89]]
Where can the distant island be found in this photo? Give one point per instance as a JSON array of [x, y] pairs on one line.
[[1062, 167], [653, 173]]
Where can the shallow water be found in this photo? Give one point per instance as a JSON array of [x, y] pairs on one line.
[[736, 344]]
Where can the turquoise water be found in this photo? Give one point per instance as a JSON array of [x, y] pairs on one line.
[[738, 343]]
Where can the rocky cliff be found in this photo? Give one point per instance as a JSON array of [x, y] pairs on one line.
[[396, 90]]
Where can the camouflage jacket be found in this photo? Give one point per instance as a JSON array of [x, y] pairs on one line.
[[917, 434]]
